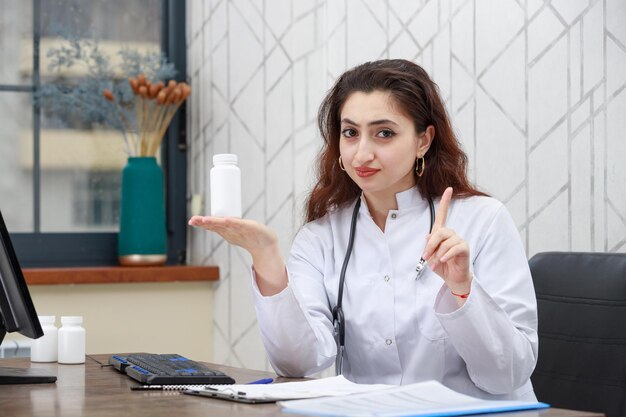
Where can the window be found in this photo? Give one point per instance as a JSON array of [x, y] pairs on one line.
[[59, 177], [96, 202]]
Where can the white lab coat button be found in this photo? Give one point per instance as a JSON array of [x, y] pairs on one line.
[[394, 215], [386, 278], [388, 342]]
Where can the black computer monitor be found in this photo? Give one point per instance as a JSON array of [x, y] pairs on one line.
[[17, 312]]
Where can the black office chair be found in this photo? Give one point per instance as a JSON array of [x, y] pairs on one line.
[[581, 300]]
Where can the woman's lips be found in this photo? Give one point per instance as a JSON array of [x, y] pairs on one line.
[[364, 172]]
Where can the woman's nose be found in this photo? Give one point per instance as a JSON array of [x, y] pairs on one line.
[[364, 151]]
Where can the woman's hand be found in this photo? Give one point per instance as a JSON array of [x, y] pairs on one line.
[[446, 252], [256, 238], [248, 234]]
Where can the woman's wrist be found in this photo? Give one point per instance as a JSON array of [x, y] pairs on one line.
[[270, 270], [461, 289], [268, 252], [463, 295]]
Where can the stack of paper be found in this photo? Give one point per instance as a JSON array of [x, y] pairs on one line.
[[428, 398], [345, 398]]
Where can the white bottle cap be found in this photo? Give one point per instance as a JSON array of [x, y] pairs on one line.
[[47, 319], [224, 157], [71, 319]]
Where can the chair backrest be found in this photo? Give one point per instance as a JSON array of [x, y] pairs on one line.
[[581, 302]]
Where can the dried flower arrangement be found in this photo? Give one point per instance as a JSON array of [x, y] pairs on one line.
[[155, 105], [139, 101]]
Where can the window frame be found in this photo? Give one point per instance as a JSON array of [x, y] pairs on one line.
[[39, 249]]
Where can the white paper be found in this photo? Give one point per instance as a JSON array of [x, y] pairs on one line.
[[421, 399], [333, 386]]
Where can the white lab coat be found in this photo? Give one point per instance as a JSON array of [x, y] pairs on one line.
[[400, 329]]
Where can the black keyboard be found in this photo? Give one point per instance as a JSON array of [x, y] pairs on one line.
[[167, 369]]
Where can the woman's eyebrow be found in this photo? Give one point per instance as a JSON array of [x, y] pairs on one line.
[[373, 123]]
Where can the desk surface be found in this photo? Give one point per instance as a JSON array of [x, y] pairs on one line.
[[92, 390]]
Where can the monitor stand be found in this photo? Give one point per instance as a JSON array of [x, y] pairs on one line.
[[25, 376], [22, 375]]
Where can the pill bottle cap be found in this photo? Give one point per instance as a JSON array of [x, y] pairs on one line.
[[221, 158], [71, 320]]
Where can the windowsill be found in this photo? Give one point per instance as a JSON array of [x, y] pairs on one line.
[[120, 274]]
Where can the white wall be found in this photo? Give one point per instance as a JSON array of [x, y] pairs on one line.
[[160, 317], [535, 90]]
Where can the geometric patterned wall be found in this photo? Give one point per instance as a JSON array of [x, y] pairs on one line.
[[536, 90]]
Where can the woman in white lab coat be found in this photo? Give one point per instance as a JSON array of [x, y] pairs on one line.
[[468, 319]]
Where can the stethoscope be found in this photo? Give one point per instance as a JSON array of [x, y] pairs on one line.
[[338, 317]]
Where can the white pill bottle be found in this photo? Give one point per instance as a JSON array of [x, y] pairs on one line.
[[44, 349], [71, 340], [225, 186]]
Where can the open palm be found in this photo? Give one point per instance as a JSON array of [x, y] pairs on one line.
[[248, 234]]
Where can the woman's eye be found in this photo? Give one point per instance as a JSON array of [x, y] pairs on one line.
[[349, 133], [385, 133]]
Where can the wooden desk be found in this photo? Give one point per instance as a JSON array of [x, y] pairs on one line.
[[95, 391]]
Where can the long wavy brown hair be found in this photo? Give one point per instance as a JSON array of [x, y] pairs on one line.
[[417, 95]]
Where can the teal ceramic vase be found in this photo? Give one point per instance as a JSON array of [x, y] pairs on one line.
[[142, 236]]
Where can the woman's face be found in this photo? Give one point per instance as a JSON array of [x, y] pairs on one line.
[[378, 143]]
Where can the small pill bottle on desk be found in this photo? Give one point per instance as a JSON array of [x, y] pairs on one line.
[[71, 340], [44, 348]]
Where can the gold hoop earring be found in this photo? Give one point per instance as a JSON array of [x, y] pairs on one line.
[[420, 170], [341, 164]]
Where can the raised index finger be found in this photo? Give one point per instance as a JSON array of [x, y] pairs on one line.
[[442, 211]]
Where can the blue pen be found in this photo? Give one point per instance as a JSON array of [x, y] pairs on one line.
[[262, 381]]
